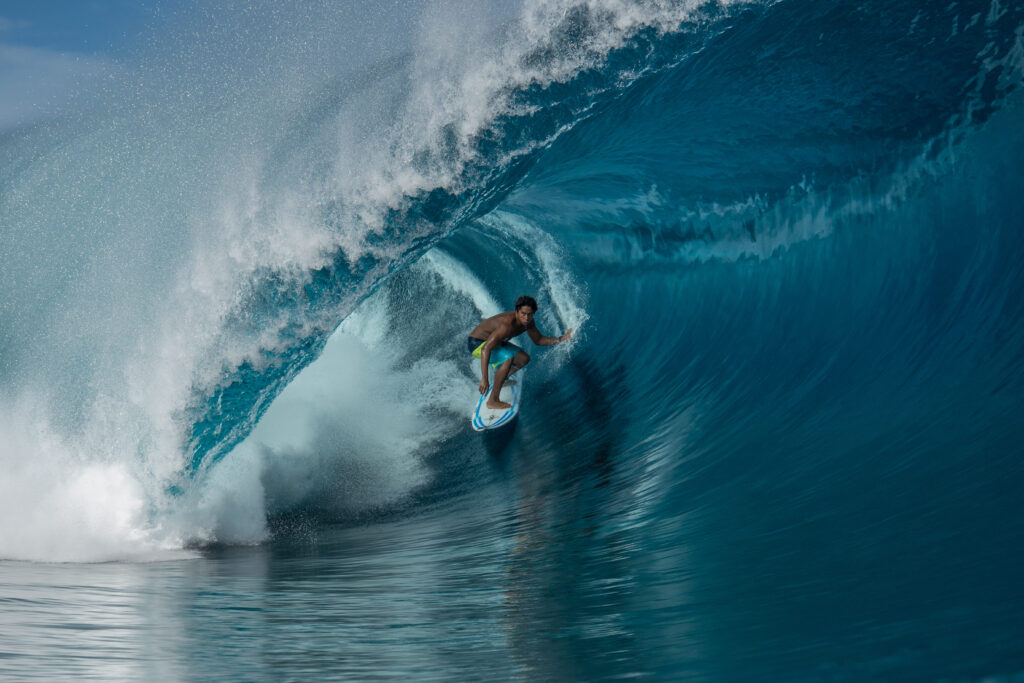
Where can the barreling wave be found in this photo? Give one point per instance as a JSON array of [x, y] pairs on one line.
[[455, 148], [756, 213]]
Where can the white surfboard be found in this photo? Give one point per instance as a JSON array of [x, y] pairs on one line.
[[485, 418]]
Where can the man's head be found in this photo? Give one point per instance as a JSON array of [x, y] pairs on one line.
[[526, 306]]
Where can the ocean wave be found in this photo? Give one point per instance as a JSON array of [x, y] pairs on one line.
[[670, 178]]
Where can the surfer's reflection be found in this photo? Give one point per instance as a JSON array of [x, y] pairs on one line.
[[497, 441], [562, 624]]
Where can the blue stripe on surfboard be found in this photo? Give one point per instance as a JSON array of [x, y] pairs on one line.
[[477, 422], [505, 417], [502, 420]]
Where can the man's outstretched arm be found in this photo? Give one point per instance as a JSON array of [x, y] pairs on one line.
[[542, 340]]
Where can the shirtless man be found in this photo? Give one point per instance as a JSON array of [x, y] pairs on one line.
[[489, 342]]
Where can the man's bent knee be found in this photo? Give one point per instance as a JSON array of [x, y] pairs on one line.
[[521, 359]]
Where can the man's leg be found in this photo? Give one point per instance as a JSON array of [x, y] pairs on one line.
[[519, 362], [507, 368], [499, 381]]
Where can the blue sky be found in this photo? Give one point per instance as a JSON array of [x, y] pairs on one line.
[[90, 27], [47, 47]]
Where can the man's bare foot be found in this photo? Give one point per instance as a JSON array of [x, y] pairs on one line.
[[497, 405]]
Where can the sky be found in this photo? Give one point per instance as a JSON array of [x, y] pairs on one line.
[[92, 27], [47, 47]]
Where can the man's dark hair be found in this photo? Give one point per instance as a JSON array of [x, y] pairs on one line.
[[526, 301]]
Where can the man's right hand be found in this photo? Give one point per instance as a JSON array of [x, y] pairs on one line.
[[483, 386]]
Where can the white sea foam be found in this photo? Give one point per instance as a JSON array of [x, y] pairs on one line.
[[60, 502]]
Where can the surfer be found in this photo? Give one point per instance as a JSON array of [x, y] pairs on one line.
[[489, 342]]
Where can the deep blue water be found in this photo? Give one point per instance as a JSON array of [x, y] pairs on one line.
[[784, 444]]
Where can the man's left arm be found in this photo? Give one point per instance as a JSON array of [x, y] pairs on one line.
[[541, 340]]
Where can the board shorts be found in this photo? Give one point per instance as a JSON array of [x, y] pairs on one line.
[[499, 354]]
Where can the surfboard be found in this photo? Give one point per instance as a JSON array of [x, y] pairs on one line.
[[485, 418]]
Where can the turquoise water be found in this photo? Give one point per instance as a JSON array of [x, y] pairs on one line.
[[238, 271]]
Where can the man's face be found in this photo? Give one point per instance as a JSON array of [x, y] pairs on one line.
[[524, 314]]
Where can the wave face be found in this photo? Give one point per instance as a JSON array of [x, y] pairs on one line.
[[788, 233]]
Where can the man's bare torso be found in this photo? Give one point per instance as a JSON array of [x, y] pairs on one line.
[[505, 324]]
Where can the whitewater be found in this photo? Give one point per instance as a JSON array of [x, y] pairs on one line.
[[238, 266]]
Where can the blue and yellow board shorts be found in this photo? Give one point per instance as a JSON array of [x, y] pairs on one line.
[[499, 354]]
